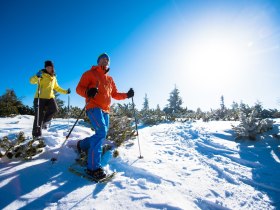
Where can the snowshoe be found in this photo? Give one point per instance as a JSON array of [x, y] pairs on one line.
[[82, 172]]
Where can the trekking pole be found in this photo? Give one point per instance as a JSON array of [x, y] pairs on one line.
[[38, 103], [53, 159], [140, 157], [68, 110]]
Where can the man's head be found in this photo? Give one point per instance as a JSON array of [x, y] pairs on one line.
[[103, 60]]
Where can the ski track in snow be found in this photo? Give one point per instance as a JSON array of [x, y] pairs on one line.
[[190, 165]]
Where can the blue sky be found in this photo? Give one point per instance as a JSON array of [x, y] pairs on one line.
[[206, 48]]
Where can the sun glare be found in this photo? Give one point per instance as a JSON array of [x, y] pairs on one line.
[[214, 60]]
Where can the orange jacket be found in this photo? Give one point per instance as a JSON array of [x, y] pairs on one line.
[[95, 77]]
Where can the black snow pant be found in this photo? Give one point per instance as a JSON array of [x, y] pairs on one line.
[[47, 109]]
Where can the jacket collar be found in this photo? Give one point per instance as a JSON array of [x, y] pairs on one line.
[[45, 71], [99, 69]]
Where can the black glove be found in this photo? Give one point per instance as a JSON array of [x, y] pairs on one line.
[[92, 92], [130, 93], [68, 91]]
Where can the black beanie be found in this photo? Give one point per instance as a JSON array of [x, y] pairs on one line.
[[48, 63]]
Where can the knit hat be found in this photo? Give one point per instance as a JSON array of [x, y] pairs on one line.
[[48, 63], [103, 55]]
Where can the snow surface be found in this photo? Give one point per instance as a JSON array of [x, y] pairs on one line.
[[190, 165]]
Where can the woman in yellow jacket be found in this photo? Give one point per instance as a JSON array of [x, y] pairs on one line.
[[44, 101]]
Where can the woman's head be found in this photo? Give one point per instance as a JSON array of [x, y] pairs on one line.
[[49, 67]]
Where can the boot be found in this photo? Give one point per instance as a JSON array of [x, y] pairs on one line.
[[46, 125], [96, 174]]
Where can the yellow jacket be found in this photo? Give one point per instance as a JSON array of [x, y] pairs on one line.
[[48, 84]]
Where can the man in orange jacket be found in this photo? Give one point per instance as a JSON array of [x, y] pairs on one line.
[[97, 87]]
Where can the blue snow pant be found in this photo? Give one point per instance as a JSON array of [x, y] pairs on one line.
[[93, 144]]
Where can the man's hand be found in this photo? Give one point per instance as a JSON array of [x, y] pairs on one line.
[[130, 93], [92, 92]]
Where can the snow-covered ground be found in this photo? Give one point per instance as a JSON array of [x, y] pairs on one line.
[[190, 165]]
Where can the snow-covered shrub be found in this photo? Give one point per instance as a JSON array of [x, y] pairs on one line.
[[152, 116], [20, 147], [120, 129], [250, 126], [150, 120]]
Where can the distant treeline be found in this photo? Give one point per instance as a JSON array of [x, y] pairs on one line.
[[122, 126], [11, 105]]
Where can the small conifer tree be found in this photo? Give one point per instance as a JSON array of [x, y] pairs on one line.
[[10, 104], [174, 107]]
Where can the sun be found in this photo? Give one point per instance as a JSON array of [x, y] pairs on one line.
[[215, 59]]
